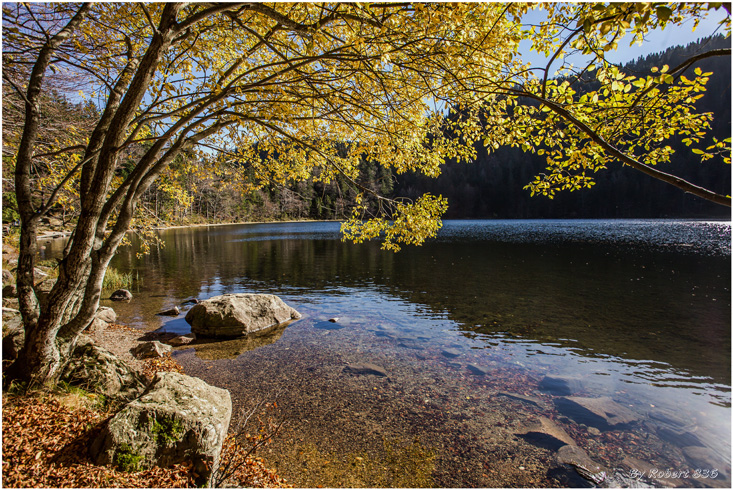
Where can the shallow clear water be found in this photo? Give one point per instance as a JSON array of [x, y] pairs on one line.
[[638, 311]]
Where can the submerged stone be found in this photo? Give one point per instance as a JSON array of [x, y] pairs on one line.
[[602, 412], [328, 325], [546, 433], [365, 368], [450, 353], [679, 438], [477, 370], [524, 398], [560, 386]]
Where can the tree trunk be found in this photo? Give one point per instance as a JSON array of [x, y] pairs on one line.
[[39, 361]]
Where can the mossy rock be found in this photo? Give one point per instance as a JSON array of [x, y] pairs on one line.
[[178, 418], [99, 371]]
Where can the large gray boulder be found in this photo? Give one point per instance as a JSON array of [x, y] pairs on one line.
[[178, 418], [234, 315], [97, 370]]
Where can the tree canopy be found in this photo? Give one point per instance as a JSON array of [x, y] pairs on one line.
[[293, 91]]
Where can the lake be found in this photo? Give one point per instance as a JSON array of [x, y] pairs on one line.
[[501, 341]]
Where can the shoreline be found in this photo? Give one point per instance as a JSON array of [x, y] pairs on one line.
[[197, 225], [56, 235]]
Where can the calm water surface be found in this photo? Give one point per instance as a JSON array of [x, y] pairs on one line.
[[636, 311]]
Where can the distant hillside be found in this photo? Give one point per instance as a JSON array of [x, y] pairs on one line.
[[492, 186]]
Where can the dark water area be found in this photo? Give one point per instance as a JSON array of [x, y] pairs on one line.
[[474, 331]]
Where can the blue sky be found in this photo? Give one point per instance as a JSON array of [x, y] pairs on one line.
[[657, 40], [660, 40]]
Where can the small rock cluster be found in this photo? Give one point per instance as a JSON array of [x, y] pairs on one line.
[[600, 414]]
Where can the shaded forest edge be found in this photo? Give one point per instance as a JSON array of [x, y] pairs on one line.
[[490, 187]]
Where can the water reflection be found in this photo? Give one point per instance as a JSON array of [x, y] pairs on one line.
[[638, 312], [212, 348], [595, 292]]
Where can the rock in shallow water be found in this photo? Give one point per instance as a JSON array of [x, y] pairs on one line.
[[450, 353], [365, 368], [579, 459], [170, 312], [546, 432], [328, 326], [602, 412], [234, 315], [182, 339], [477, 370], [560, 386], [532, 400], [121, 295]]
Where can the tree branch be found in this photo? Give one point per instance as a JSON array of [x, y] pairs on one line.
[[628, 160]]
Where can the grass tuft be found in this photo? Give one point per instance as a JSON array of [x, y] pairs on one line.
[[114, 279]]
